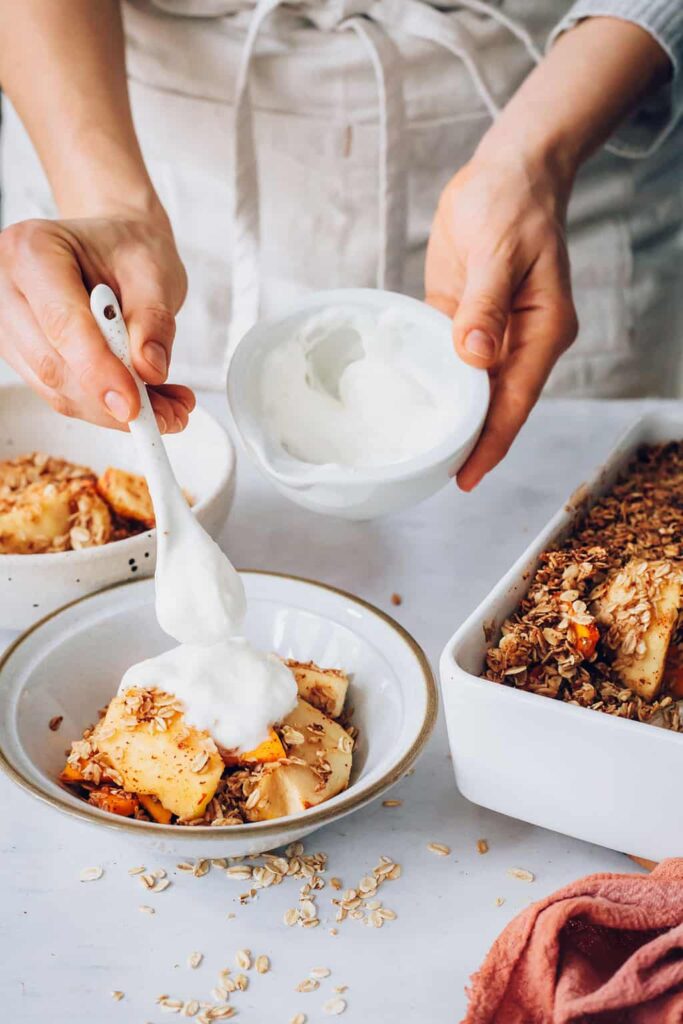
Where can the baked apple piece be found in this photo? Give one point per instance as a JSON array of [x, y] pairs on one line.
[[53, 517], [173, 762], [640, 609], [324, 688], [127, 494], [322, 752]]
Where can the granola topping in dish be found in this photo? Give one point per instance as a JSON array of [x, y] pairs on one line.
[[49, 505], [601, 625]]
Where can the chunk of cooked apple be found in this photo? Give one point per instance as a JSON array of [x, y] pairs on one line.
[[323, 747], [324, 688], [43, 516], [640, 609], [167, 764], [127, 494]]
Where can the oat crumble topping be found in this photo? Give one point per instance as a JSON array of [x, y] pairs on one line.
[[589, 612]]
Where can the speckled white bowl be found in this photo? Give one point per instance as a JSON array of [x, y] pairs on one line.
[[33, 585], [72, 662]]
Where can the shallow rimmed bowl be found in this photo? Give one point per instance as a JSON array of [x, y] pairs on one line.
[[70, 664], [33, 585]]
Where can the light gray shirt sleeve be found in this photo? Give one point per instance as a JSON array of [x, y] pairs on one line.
[[655, 118]]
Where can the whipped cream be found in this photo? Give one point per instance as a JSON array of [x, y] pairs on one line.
[[200, 599], [230, 689], [355, 387], [226, 686]]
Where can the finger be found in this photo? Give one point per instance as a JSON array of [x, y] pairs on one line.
[[149, 310], [165, 412], [482, 314], [444, 279], [173, 413], [178, 393], [43, 369], [52, 285], [538, 336], [175, 403], [444, 303]]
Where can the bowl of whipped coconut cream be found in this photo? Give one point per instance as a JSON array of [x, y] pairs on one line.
[[355, 404]]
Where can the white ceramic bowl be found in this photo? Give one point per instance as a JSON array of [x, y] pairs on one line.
[[357, 493], [33, 585], [72, 662], [567, 768]]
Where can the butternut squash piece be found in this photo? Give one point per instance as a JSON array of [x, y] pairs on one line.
[[114, 801], [155, 809], [266, 753]]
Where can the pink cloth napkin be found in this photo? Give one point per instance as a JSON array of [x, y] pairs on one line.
[[607, 949]]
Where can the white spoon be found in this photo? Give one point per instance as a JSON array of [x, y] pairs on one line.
[[199, 596]]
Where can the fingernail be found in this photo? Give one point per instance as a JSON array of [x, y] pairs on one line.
[[118, 406], [161, 423], [479, 344], [155, 354]]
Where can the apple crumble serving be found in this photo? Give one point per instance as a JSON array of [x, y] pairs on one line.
[[143, 760], [601, 625], [48, 505]]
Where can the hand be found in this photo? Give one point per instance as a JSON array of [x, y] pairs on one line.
[[497, 263], [48, 334]]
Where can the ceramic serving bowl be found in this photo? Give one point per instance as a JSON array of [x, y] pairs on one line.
[[70, 664], [358, 492], [33, 585]]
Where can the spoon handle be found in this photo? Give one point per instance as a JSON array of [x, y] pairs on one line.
[[156, 466]]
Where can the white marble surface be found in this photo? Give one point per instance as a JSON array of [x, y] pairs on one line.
[[65, 945]]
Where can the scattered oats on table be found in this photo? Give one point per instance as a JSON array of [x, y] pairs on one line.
[[396, 599], [320, 972], [307, 985], [262, 964], [118, 996], [522, 874], [482, 846], [440, 849], [55, 722], [334, 1006], [91, 874], [391, 803]]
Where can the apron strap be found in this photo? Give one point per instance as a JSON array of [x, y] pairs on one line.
[[245, 215], [393, 206], [515, 27], [420, 19]]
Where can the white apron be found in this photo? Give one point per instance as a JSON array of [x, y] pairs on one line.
[[305, 146]]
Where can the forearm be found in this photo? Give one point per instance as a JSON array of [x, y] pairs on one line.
[[594, 75], [63, 68]]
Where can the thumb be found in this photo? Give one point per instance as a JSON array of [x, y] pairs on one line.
[[482, 315]]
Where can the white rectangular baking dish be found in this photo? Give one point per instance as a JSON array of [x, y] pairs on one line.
[[589, 775]]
